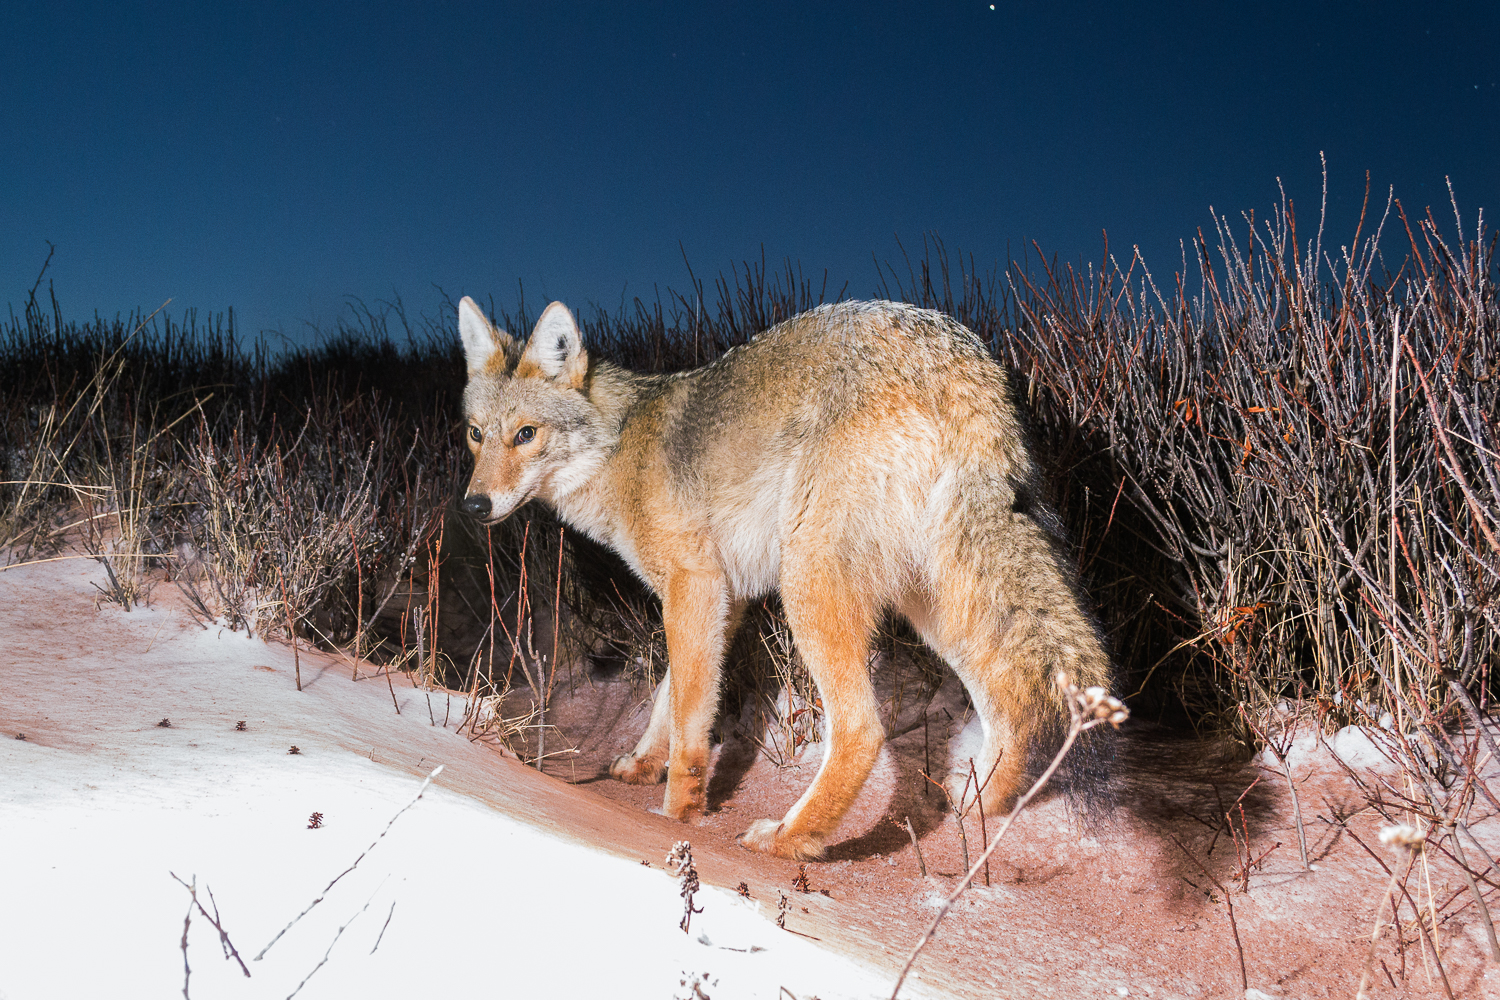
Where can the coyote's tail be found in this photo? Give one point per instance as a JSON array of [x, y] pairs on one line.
[[1008, 552]]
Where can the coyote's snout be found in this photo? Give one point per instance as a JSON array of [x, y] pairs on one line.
[[860, 457]]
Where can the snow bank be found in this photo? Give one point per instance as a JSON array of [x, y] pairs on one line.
[[454, 897], [99, 806]]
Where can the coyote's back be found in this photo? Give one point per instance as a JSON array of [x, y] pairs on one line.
[[859, 457]]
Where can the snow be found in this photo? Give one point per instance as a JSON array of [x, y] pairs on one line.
[[99, 807], [1364, 748]]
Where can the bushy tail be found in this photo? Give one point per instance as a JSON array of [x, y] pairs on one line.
[[1013, 585]]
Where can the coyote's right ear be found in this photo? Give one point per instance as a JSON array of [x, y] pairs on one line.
[[482, 341]]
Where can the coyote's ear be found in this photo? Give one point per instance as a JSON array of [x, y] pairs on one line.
[[482, 341], [556, 348]]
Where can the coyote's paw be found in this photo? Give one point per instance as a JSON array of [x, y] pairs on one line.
[[635, 770], [687, 794], [768, 837]]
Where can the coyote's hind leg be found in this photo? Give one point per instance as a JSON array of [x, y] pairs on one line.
[[831, 623], [1015, 717], [976, 658]]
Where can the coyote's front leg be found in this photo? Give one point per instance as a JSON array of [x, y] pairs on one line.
[[697, 613], [647, 763]]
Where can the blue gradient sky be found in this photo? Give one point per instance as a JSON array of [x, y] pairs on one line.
[[280, 158]]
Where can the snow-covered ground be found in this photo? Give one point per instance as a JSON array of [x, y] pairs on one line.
[[100, 806]]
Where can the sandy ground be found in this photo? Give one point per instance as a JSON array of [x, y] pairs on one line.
[[1124, 909]]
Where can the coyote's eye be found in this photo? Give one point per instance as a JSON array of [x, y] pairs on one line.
[[475, 434], [525, 434]]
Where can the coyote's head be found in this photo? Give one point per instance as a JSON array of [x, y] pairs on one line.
[[532, 428]]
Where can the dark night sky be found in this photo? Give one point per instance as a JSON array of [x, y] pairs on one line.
[[280, 158]]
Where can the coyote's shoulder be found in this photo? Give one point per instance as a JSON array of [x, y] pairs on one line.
[[859, 457]]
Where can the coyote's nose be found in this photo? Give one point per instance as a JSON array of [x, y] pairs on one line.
[[477, 505]]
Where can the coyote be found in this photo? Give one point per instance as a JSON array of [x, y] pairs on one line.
[[860, 457]]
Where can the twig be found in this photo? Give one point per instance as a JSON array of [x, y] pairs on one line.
[[38, 562], [381, 936], [1228, 903], [1484, 911], [1279, 748], [1286, 766], [958, 815], [290, 632], [324, 960], [359, 613], [1088, 708], [187, 972], [921, 865], [321, 896], [1421, 924], [979, 801], [392, 689], [224, 942]]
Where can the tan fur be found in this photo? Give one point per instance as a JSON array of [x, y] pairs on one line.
[[859, 457]]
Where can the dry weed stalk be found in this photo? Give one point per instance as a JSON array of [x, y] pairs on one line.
[[490, 687], [1234, 926], [680, 863], [1246, 861], [1406, 841], [1441, 782], [960, 808], [1087, 709], [791, 719], [917, 848]]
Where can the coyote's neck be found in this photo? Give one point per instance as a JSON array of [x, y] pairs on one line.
[[615, 393]]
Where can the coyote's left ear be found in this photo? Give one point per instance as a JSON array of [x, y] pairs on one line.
[[556, 348]]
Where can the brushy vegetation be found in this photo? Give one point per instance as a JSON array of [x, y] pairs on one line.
[[1284, 486], [1292, 477]]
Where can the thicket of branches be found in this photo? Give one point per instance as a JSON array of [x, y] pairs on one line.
[[1281, 469], [1293, 476]]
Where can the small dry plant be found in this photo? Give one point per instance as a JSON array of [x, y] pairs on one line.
[[960, 807], [230, 952], [680, 863], [261, 511], [512, 623], [1246, 863], [1277, 732], [1407, 842], [90, 473], [1429, 813]]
